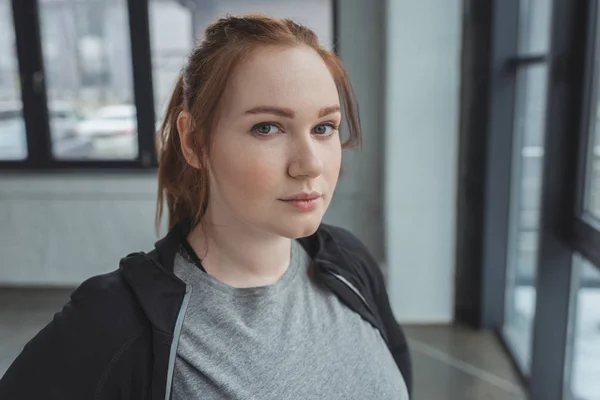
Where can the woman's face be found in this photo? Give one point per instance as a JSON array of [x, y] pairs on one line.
[[277, 137]]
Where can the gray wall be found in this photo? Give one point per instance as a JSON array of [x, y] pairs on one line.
[[421, 142], [61, 229], [58, 229]]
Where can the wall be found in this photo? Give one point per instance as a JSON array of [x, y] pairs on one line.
[[421, 147], [61, 229]]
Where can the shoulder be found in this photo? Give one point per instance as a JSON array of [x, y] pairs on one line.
[[100, 285], [82, 346], [102, 313], [366, 273], [107, 303]]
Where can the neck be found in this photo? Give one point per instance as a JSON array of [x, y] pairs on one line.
[[240, 256]]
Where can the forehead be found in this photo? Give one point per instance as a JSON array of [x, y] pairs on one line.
[[292, 77]]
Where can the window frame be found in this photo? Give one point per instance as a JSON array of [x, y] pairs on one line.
[[564, 228], [565, 124]]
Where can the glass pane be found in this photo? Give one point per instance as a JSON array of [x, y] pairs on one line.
[[187, 21], [534, 26], [527, 167], [583, 368], [592, 196], [13, 140], [593, 174], [87, 60]]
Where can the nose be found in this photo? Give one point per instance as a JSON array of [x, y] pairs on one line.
[[305, 160]]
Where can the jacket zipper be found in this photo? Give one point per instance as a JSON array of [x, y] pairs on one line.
[[175, 342], [349, 285], [355, 290], [360, 296]]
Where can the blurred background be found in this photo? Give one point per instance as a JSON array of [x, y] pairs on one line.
[[477, 188]]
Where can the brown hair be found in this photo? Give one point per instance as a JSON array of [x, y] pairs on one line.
[[199, 89]]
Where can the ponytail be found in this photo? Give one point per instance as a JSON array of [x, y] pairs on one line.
[[182, 187]]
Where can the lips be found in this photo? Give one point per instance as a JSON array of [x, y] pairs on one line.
[[303, 196], [304, 205], [304, 201]]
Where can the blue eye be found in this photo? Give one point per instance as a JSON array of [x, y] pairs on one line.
[[324, 129], [265, 129]]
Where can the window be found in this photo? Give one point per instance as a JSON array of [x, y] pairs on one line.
[[13, 141], [583, 365], [526, 180], [187, 21], [87, 62], [543, 76]]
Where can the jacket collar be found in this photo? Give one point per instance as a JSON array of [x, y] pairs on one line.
[[321, 245], [160, 292]]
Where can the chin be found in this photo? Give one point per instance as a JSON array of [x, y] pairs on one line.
[[295, 228]]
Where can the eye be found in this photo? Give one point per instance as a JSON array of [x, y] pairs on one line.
[[265, 129], [324, 129]]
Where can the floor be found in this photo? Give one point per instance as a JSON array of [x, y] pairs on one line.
[[450, 362], [453, 362]]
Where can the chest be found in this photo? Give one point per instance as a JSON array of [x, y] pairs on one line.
[[300, 345]]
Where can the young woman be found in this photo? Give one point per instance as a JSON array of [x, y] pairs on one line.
[[249, 296]]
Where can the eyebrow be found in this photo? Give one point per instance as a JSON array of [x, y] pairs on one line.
[[288, 113]]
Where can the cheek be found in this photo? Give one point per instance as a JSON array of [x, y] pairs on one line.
[[244, 172]]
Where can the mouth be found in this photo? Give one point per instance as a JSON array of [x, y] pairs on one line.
[[304, 205], [303, 196], [304, 201]]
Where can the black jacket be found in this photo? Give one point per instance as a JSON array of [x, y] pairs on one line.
[[113, 339]]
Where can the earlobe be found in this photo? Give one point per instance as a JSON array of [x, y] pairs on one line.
[[185, 138]]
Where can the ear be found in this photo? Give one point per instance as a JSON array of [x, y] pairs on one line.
[[186, 139]]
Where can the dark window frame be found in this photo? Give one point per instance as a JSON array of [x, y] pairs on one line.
[[35, 103], [565, 229], [565, 124]]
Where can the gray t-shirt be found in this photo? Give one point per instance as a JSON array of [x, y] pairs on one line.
[[289, 340]]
